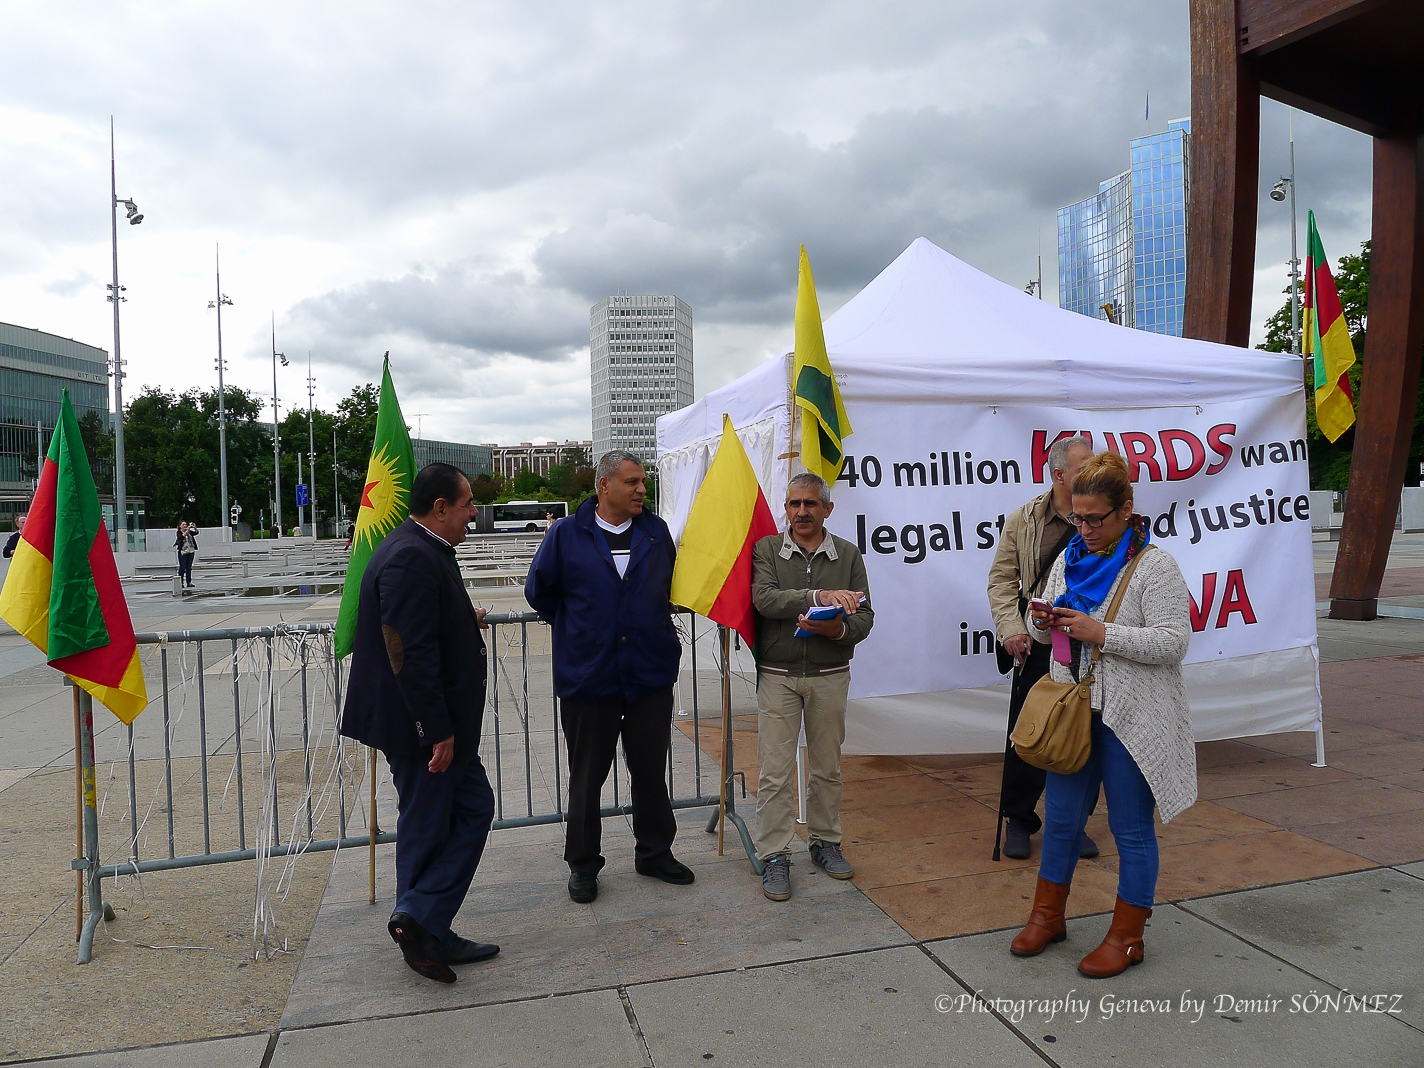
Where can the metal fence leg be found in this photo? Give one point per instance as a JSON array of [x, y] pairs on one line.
[[237, 741], [203, 752], [167, 746], [91, 829]]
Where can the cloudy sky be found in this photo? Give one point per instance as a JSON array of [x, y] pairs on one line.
[[457, 183]]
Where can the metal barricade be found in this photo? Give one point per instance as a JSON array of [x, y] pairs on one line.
[[289, 672]]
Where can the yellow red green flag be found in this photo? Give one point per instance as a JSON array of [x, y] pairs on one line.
[[385, 502], [1327, 339], [824, 423]]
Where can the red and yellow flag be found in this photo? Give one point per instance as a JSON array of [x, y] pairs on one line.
[[63, 592], [713, 575], [1327, 338]]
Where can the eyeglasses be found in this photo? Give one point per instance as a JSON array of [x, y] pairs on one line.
[[1093, 522]]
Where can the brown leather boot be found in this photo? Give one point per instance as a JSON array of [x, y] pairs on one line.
[[1123, 945], [1045, 922]]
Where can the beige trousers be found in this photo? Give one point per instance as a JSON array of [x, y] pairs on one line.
[[782, 702]]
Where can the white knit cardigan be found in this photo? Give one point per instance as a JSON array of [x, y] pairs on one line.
[[1138, 683]]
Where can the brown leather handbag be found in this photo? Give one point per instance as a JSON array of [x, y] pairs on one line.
[[1055, 727]]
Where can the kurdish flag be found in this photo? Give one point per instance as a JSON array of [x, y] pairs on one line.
[[824, 424], [1327, 338], [713, 574], [63, 592], [385, 502]]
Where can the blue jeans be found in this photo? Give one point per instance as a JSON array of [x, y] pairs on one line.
[[1069, 800]]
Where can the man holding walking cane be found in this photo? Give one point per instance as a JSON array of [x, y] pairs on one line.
[[1032, 540]]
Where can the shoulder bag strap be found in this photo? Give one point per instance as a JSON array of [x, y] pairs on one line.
[[1117, 602]]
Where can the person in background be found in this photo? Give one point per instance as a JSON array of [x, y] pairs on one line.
[[602, 580], [13, 541], [417, 693], [804, 680], [1143, 752], [1034, 536], [186, 545]]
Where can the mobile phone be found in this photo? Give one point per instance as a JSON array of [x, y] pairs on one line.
[[1040, 605]]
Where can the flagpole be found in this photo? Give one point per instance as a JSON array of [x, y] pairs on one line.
[[725, 638], [372, 822], [78, 819]]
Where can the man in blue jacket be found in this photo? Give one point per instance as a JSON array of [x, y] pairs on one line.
[[417, 693], [602, 579]]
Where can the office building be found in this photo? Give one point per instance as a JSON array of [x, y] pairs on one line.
[[1125, 249], [509, 460], [34, 368], [471, 459], [640, 349]]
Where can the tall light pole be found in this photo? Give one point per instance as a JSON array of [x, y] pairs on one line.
[[335, 485], [311, 443], [1284, 186], [116, 291], [276, 434], [222, 298]]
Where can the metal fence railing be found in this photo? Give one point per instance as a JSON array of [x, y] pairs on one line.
[[264, 774]]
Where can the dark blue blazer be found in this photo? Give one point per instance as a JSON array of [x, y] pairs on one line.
[[613, 638], [418, 660]]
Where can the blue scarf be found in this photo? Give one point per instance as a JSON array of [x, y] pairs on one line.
[[1089, 576]]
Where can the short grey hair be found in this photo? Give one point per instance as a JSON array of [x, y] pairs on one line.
[[610, 462], [808, 478], [1058, 452]]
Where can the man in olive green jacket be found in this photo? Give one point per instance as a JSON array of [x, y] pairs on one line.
[[804, 678]]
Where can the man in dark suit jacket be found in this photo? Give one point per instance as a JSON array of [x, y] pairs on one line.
[[417, 693], [601, 578]]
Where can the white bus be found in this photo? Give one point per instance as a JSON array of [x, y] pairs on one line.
[[526, 516]]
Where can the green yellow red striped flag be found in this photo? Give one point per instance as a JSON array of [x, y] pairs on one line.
[[62, 591], [1327, 339], [713, 573], [824, 423]]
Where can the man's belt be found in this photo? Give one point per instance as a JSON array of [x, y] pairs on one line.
[[803, 670]]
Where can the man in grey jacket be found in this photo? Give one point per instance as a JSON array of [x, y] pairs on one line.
[[804, 679]]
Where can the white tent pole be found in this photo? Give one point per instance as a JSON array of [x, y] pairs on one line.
[[801, 775], [1319, 744]]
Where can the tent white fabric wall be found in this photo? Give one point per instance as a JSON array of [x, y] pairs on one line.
[[933, 353]]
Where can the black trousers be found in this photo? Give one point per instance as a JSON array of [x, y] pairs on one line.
[[441, 829], [185, 568], [592, 730], [1023, 783]]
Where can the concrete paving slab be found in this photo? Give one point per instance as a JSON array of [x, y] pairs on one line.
[[1416, 870], [861, 1009], [1142, 1011], [1360, 932], [579, 1029], [245, 1051]]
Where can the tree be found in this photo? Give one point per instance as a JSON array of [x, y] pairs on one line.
[[99, 447], [527, 483], [486, 488], [1330, 462]]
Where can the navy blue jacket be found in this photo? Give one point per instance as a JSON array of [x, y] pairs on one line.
[[613, 638], [418, 660]]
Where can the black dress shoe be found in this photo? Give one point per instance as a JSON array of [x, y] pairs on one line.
[[669, 869], [1016, 844], [419, 948], [583, 886], [457, 950], [1087, 848]]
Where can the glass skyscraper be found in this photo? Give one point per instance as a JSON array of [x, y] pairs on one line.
[[1127, 246]]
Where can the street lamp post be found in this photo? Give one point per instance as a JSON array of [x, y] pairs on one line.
[[116, 291], [1285, 186], [335, 486], [311, 443], [222, 298], [276, 434]]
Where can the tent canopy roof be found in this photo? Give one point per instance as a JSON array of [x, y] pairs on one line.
[[930, 328]]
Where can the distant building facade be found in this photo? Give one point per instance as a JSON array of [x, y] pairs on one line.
[[471, 459], [35, 367], [508, 460], [1126, 247], [640, 367]]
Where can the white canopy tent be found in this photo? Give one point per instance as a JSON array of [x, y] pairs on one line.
[[937, 360]]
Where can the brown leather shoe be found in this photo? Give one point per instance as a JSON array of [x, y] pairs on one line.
[[1122, 947], [1045, 922]]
